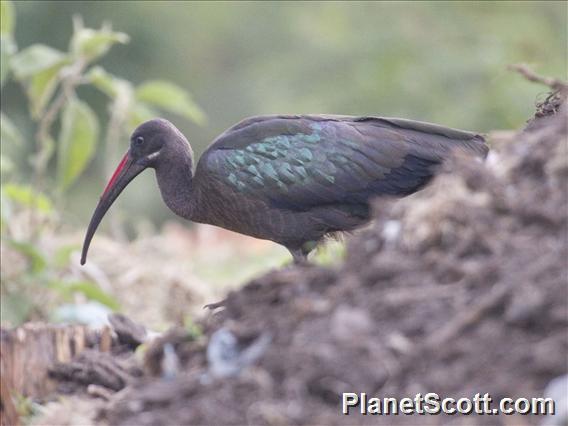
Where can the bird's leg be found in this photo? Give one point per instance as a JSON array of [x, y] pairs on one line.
[[300, 257], [213, 306], [300, 254]]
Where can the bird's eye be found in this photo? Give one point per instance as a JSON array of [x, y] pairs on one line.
[[139, 140]]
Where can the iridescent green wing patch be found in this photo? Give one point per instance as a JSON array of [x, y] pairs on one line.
[[303, 164], [280, 163]]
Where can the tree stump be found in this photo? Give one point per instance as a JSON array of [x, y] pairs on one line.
[[28, 351]]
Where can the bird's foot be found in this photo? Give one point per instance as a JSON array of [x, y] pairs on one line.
[[213, 306]]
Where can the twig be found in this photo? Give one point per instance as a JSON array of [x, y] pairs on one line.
[[525, 71], [99, 391], [469, 317]]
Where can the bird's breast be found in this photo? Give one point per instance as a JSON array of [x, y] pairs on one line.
[[225, 207]]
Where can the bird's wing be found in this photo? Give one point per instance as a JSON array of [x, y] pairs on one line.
[[298, 162]]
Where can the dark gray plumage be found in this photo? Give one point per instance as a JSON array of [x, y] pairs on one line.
[[289, 179]]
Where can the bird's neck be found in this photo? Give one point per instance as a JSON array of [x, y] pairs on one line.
[[175, 179]]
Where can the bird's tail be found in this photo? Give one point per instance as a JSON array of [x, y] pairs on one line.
[[432, 138]]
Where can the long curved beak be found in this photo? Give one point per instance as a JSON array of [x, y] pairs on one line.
[[124, 173]]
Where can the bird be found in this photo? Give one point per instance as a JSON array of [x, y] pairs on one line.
[[291, 179]]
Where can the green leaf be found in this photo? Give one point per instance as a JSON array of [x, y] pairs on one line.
[[103, 81], [7, 49], [8, 132], [91, 44], [90, 290], [7, 20], [35, 59], [41, 88], [27, 197], [109, 84], [36, 259], [38, 67], [170, 97], [77, 140]]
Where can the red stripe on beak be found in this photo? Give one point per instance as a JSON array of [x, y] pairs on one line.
[[116, 173]]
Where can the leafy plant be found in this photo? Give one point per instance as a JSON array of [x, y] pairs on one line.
[[68, 131], [50, 79], [47, 278]]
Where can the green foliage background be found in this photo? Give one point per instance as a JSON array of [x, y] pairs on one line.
[[435, 61]]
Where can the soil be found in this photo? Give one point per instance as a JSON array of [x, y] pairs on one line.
[[459, 289]]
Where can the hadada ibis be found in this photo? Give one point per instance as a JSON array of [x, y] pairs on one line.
[[292, 179]]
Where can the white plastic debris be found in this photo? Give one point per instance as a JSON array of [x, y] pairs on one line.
[[227, 358], [391, 230], [93, 314], [557, 389]]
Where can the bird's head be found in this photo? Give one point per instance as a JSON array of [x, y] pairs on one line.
[[151, 145]]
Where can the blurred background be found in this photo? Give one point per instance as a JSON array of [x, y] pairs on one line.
[[217, 63]]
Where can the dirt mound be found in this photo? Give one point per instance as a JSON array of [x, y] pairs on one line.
[[460, 289]]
